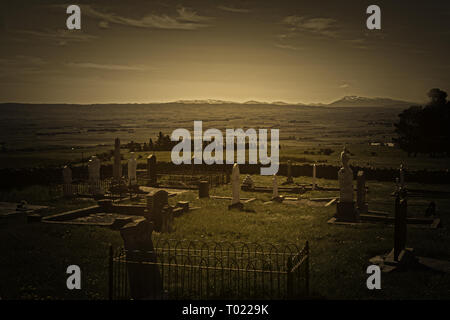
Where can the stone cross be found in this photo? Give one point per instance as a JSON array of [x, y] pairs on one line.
[[235, 184], [132, 164], [275, 186], [345, 176], [67, 181], [314, 177], [117, 169]]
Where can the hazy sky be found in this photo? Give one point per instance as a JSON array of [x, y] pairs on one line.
[[150, 51]]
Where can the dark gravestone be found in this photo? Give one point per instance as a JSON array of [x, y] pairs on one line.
[[203, 189], [400, 227], [151, 170], [143, 271], [160, 213]]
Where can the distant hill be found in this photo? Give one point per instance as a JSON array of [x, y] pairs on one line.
[[355, 101]]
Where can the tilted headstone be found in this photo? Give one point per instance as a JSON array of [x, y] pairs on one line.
[[132, 164], [151, 170], [143, 272], [361, 193], [67, 181], [117, 168]]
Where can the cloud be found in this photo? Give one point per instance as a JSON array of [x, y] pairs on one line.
[[286, 46], [110, 67], [186, 19], [231, 9], [319, 26], [344, 86], [60, 36]]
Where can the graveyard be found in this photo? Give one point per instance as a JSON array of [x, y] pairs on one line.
[[156, 234]]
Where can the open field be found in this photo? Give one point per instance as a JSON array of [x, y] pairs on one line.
[[34, 256], [57, 134]]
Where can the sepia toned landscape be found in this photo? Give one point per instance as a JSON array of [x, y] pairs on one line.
[[89, 183]]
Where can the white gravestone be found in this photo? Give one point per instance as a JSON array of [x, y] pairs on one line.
[[275, 187], [132, 164]]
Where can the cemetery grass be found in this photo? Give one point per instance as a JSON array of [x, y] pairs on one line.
[[35, 256]]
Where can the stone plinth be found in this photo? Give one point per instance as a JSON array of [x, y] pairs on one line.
[[345, 211]]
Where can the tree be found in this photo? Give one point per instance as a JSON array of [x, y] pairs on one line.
[[426, 129]]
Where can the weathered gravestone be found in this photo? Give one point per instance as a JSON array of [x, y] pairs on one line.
[[289, 172], [67, 181], [151, 170], [236, 186], [361, 193], [143, 272], [160, 213], [132, 164], [275, 195], [345, 205], [117, 168], [94, 175], [248, 184], [203, 189]]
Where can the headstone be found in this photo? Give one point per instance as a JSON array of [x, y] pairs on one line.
[[117, 168], [203, 189], [274, 186], [289, 172], [361, 193], [160, 213], [132, 164], [248, 183], [143, 272], [67, 181], [314, 177], [346, 206], [151, 170], [236, 186], [94, 175]]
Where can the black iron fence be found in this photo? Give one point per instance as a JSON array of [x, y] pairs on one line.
[[182, 269]]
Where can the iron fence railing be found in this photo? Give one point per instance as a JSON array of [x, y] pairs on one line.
[[184, 269]]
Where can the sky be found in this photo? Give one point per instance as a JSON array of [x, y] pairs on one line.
[[158, 51]]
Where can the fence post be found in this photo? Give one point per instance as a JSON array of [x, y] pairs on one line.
[[307, 268], [110, 273], [289, 286]]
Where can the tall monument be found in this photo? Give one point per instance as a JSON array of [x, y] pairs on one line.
[[346, 205]]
